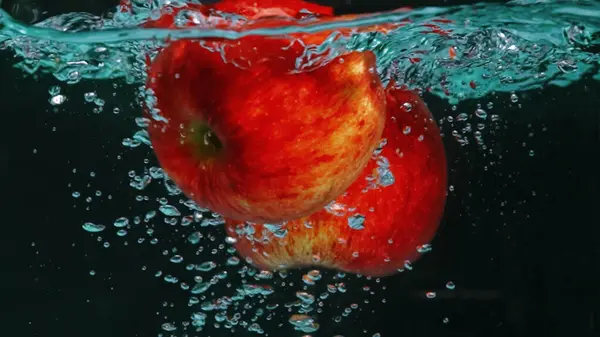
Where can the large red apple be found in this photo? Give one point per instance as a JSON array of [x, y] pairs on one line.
[[377, 225], [244, 132]]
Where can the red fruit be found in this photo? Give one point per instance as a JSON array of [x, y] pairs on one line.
[[396, 218], [260, 142], [254, 9]]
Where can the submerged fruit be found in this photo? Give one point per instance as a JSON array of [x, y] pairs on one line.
[[247, 133], [376, 226]]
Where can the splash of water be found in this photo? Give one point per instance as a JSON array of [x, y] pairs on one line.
[[457, 53]]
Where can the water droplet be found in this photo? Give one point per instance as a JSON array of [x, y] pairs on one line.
[[176, 259], [407, 106], [385, 177], [450, 285], [54, 90], [481, 113], [57, 99], [169, 210], [206, 266], [156, 172], [304, 323], [233, 261], [430, 294], [307, 280], [357, 221], [424, 248], [90, 96], [121, 222], [93, 228], [406, 130], [514, 98], [201, 287], [335, 208], [194, 238], [143, 137], [278, 230], [169, 327], [314, 274], [142, 122], [149, 215]]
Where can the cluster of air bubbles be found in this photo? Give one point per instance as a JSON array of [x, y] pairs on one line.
[[383, 176], [208, 300], [139, 137], [476, 124]]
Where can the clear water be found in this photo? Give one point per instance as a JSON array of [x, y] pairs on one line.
[[484, 49]]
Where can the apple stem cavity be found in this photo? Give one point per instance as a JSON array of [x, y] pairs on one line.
[[204, 140]]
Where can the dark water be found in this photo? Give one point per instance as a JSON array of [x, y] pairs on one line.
[[520, 236]]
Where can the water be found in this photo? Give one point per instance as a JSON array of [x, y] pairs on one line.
[[474, 52]]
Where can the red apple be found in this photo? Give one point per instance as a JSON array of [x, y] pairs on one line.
[[243, 132], [397, 217]]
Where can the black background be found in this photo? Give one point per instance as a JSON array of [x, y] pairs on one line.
[[520, 237]]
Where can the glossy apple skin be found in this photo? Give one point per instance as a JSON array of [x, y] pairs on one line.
[[291, 141], [397, 217]]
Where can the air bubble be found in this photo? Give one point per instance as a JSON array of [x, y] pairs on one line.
[[99, 102], [57, 99], [481, 113], [121, 222], [90, 96], [169, 210], [357, 221], [169, 327], [424, 248], [194, 238], [93, 228]]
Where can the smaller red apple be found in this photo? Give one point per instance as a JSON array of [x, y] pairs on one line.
[[376, 226]]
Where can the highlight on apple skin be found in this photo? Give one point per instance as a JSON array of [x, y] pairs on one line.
[[377, 225], [261, 143]]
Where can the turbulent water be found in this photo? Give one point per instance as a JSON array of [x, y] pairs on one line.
[[474, 51], [483, 48]]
